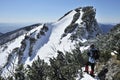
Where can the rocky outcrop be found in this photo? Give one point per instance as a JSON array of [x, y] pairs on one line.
[[83, 25]]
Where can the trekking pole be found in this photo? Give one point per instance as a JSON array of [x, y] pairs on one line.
[[96, 68]]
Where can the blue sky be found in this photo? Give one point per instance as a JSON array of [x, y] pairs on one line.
[[26, 11]]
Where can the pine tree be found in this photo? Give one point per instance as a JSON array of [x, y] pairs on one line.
[[20, 72], [38, 70]]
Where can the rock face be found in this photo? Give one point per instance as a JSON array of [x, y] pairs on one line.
[[83, 25]]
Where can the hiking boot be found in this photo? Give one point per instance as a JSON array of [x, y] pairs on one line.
[[86, 72], [86, 69], [92, 75]]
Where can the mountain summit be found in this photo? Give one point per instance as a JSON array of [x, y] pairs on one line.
[[23, 46]]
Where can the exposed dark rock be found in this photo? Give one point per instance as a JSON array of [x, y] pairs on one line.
[[75, 17], [71, 28], [102, 74], [44, 28], [78, 9]]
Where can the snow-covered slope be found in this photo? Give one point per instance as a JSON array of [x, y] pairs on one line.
[[44, 40], [11, 41]]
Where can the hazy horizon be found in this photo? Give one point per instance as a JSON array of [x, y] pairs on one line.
[[7, 27]]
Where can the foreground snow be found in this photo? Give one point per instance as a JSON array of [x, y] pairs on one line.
[[87, 77]]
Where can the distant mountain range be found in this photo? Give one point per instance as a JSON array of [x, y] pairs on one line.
[[106, 27], [7, 27]]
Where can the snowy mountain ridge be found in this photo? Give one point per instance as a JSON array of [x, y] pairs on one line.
[[16, 33], [44, 40]]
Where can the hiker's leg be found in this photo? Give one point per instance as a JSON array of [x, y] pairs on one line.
[[92, 68], [86, 67]]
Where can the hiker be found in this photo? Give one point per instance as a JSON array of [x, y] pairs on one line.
[[93, 56]]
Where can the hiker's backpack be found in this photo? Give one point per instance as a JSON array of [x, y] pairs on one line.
[[96, 54], [88, 53]]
